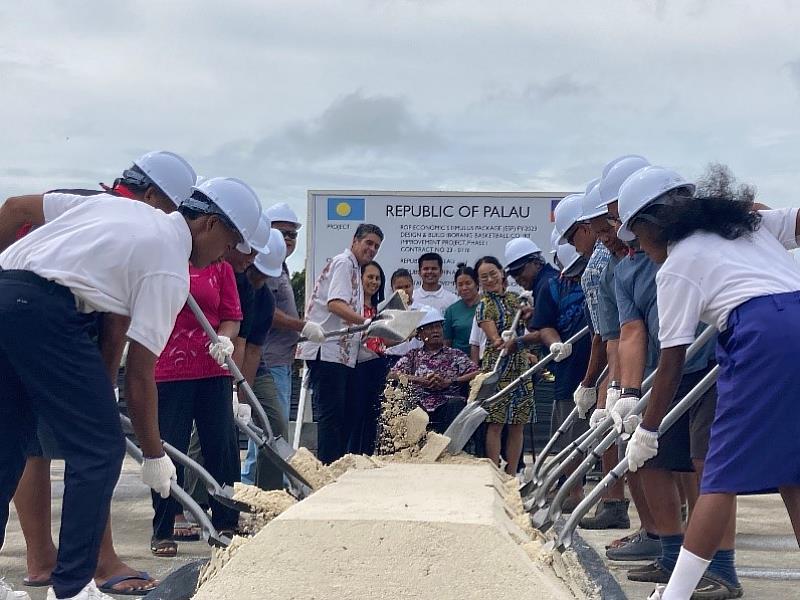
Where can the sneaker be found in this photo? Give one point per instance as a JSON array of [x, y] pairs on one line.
[[642, 547], [624, 540], [713, 587], [610, 514], [652, 573], [90, 592], [8, 593]]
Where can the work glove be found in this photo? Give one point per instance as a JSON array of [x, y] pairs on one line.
[[242, 410], [625, 422], [158, 473], [507, 335], [221, 349], [562, 350], [612, 395], [642, 446], [584, 398], [313, 332], [526, 296], [598, 416]]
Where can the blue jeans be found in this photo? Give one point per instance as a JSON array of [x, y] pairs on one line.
[[282, 379]]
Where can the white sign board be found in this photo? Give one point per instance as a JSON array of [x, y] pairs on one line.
[[460, 226]]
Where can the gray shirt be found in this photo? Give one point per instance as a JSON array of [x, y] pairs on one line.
[[280, 345]]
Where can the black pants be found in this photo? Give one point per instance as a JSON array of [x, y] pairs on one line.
[[51, 370], [209, 403], [334, 390], [366, 408]]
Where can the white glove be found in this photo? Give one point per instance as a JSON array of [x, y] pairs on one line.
[[313, 332], [507, 335], [158, 473], [561, 350], [221, 349], [526, 296], [584, 398], [116, 393], [598, 416], [624, 421], [242, 410], [642, 446], [612, 395]]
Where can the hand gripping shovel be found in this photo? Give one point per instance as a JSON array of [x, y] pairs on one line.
[[221, 493], [210, 534], [275, 448], [390, 324], [564, 539], [473, 414], [489, 383]]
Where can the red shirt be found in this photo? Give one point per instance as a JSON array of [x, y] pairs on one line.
[[186, 354]]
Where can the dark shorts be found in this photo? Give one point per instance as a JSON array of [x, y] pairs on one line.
[[701, 416], [44, 444]]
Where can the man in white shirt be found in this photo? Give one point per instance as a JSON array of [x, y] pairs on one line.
[[432, 292], [87, 255], [337, 302]]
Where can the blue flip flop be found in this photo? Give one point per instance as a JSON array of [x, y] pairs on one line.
[[108, 586]]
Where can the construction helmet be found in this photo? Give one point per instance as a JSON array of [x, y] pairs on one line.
[[236, 200], [260, 240], [554, 236], [616, 176], [170, 172], [611, 163], [432, 315], [271, 262], [591, 199], [282, 212], [570, 260], [518, 249], [642, 189], [567, 212]]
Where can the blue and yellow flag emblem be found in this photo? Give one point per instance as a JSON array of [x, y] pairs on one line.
[[346, 209]]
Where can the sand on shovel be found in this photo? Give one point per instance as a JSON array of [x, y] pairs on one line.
[[416, 425]]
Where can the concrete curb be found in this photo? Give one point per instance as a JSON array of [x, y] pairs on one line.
[[596, 569]]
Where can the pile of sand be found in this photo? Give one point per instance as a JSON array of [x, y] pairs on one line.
[[266, 505]]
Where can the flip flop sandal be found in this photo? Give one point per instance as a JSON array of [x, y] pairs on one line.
[[186, 532], [149, 585], [30, 583], [164, 548]]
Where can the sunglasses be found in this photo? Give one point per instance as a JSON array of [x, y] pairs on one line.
[[289, 235]]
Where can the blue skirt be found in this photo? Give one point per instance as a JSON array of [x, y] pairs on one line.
[[754, 446]]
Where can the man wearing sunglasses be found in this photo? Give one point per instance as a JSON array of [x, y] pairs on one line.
[[90, 255]]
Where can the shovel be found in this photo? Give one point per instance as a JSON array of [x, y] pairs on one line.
[[210, 534], [275, 448], [474, 413], [393, 302], [564, 539], [489, 383], [221, 493], [395, 325]]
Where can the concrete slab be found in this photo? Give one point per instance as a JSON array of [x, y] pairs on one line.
[[403, 531]]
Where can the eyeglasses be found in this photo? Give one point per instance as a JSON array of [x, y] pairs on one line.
[[489, 277], [613, 221], [288, 235]]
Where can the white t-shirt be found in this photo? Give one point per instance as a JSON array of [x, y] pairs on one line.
[[440, 299], [115, 255], [477, 337], [706, 276], [339, 280]]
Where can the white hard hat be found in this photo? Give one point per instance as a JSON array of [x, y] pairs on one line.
[[554, 236], [432, 315], [567, 213], [613, 162], [589, 204], [170, 172], [568, 257], [519, 248], [238, 201], [271, 262], [616, 175], [641, 189], [282, 212], [260, 240]]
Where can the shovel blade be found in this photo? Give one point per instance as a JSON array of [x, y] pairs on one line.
[[395, 325], [275, 451], [181, 584], [225, 497], [393, 302], [464, 425], [541, 519], [488, 387]]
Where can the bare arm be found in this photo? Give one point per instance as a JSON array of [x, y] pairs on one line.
[[632, 353], [342, 310], [549, 336], [252, 356], [597, 360], [475, 353], [142, 397], [112, 342], [490, 329], [283, 321], [668, 378], [16, 212]]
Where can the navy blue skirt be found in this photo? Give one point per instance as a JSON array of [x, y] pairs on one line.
[[754, 446]]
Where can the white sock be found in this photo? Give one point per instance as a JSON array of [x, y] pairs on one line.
[[685, 577]]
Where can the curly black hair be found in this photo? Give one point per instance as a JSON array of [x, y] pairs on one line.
[[679, 215]]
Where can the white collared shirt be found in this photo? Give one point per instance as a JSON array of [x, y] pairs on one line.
[[440, 299]]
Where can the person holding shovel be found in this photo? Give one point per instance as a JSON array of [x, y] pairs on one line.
[[91, 255]]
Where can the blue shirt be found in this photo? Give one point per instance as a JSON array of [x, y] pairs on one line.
[[607, 313], [635, 285]]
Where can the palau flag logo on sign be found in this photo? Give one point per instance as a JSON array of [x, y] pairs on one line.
[[346, 209]]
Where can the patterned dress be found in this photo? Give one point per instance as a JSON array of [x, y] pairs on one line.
[[515, 408]]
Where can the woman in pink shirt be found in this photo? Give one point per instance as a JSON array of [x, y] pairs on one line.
[[192, 386]]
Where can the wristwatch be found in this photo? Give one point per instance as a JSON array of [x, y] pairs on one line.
[[631, 392]]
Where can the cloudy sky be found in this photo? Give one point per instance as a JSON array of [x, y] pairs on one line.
[[499, 95]]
